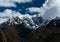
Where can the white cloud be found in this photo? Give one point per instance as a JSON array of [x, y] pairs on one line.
[[9, 14], [35, 10], [11, 3], [49, 10], [53, 9]]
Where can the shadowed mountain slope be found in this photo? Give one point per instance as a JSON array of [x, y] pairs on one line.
[[9, 34], [45, 34], [18, 32]]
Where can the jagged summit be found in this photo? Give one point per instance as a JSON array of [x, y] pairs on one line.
[[54, 22], [31, 22]]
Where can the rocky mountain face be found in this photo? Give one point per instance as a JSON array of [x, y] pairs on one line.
[[48, 33], [55, 22], [15, 30]]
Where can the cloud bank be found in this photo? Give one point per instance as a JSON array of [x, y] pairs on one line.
[[52, 9], [10, 14], [49, 10], [7, 14], [11, 3]]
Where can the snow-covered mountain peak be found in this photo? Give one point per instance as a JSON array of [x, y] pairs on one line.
[[29, 21]]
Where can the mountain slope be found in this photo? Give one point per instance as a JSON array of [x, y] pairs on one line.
[[21, 30], [9, 34], [42, 34], [28, 22], [54, 22], [45, 34]]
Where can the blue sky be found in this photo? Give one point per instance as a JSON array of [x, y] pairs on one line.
[[21, 7], [48, 9]]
